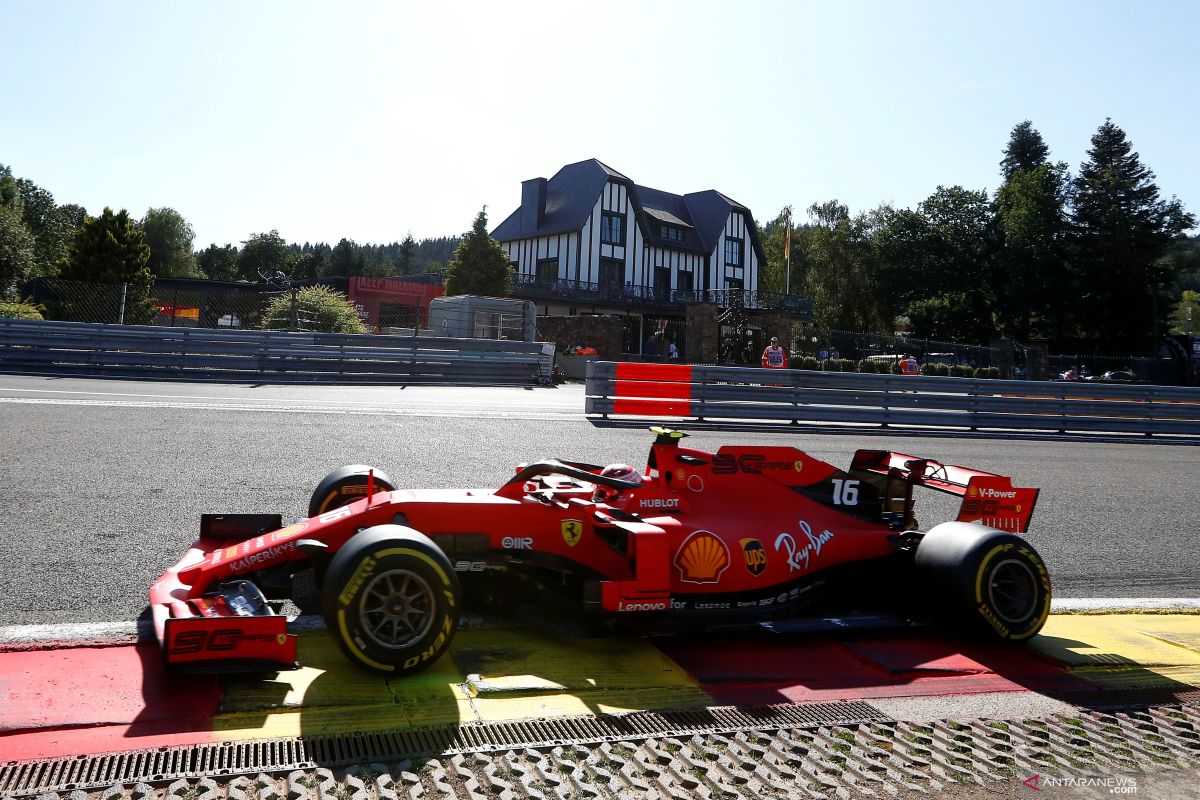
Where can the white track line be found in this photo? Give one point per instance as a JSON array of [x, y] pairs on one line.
[[1116, 605]]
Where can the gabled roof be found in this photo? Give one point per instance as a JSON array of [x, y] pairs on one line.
[[570, 196], [572, 193]]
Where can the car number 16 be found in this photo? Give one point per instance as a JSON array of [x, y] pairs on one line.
[[845, 492]]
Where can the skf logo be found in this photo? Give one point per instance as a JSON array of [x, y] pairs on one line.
[[572, 531], [754, 555], [702, 558]]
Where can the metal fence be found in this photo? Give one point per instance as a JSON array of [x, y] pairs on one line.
[[858, 345], [41, 347], [890, 401]]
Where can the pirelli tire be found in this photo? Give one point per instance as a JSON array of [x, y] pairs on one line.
[[343, 486], [992, 580], [391, 600]]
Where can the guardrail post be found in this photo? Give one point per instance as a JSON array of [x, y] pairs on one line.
[[886, 388], [973, 405], [1062, 398]]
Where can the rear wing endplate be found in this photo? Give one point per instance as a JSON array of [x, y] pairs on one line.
[[987, 498]]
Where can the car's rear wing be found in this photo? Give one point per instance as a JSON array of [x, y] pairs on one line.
[[987, 498]]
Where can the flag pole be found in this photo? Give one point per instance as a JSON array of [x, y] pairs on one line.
[[787, 256]]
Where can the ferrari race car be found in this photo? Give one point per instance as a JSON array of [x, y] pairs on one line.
[[742, 536]]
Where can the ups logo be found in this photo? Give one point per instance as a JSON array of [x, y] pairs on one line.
[[754, 556]]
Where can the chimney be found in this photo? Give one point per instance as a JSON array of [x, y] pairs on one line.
[[533, 203]]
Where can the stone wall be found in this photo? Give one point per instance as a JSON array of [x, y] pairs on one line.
[[603, 332]]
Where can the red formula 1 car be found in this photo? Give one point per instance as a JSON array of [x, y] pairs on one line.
[[746, 535]]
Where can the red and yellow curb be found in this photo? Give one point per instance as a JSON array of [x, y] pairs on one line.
[[87, 700]]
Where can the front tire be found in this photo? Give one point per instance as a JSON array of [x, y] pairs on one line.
[[343, 486], [391, 600], [995, 581]]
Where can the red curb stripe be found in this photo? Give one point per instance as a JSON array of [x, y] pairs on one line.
[[637, 371], [97, 699], [667, 391]]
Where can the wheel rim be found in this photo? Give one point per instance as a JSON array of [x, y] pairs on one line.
[[396, 608], [1012, 591]]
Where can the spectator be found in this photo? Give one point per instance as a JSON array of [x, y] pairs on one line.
[[673, 350], [774, 356], [834, 354]]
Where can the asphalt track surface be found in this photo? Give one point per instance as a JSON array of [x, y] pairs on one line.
[[102, 483]]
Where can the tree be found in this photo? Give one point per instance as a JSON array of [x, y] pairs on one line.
[[945, 251], [406, 261], [1033, 284], [841, 268], [170, 237], [480, 265], [1186, 316], [112, 249], [1026, 150], [218, 263], [347, 259], [313, 308], [264, 253], [17, 251], [1122, 230]]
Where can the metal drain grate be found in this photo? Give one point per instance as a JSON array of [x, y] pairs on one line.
[[19, 779]]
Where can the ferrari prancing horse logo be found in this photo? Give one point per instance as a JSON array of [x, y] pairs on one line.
[[572, 531]]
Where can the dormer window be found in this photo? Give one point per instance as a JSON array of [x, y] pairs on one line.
[[671, 233]]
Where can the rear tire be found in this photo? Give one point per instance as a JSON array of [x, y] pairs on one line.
[[391, 599], [994, 581], [344, 486]]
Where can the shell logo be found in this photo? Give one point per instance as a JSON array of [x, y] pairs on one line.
[[972, 491], [702, 558]]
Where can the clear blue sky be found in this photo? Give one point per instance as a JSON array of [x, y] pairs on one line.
[[374, 119]]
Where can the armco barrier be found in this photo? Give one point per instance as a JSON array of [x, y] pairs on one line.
[[139, 351], [800, 396]]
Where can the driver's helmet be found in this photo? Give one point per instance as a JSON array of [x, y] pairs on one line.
[[622, 472]]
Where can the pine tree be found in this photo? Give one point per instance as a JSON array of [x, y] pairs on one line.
[[406, 263], [111, 249], [1026, 150], [1033, 286], [480, 265], [1122, 230]]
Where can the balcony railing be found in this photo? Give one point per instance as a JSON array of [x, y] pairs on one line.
[[563, 289]]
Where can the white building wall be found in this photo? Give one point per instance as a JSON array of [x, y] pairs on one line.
[[736, 228]]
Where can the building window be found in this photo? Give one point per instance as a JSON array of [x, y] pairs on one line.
[[671, 233], [685, 281], [547, 271], [612, 276], [733, 283], [733, 252], [612, 228]]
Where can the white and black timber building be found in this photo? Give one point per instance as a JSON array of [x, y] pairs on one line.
[[589, 239]]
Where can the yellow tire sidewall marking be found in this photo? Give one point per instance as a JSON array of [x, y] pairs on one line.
[[395, 551], [1042, 575]]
